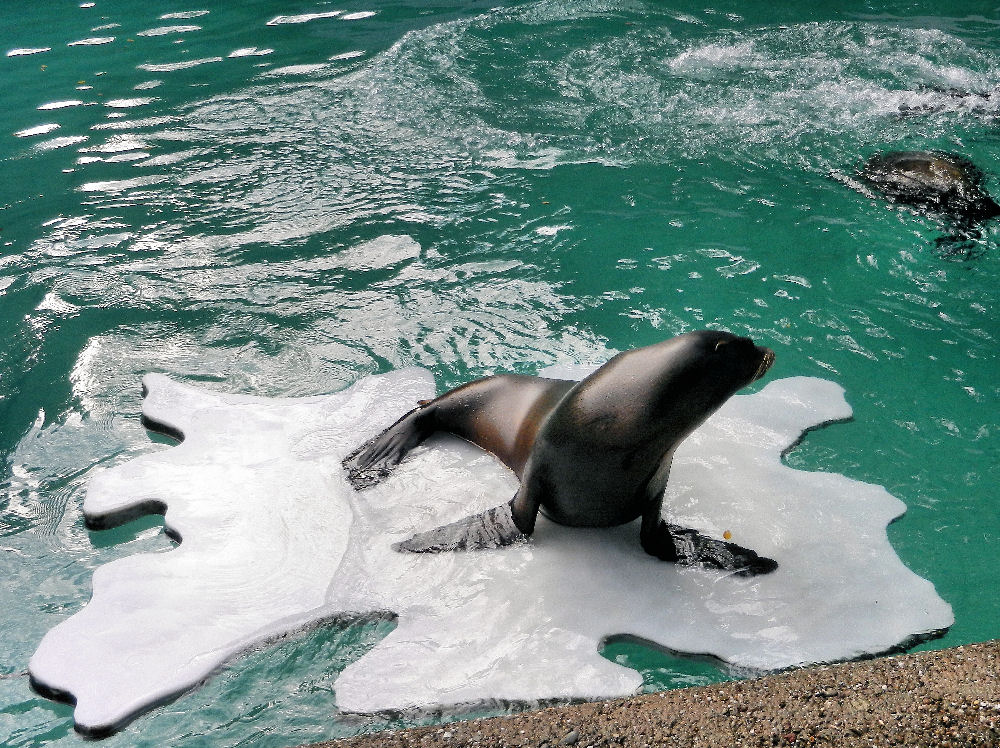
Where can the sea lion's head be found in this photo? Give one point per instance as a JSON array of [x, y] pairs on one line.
[[703, 369], [742, 360]]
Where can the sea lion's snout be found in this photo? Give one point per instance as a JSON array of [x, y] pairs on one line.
[[741, 354], [766, 361]]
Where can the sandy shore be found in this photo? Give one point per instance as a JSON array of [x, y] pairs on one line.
[[942, 698]]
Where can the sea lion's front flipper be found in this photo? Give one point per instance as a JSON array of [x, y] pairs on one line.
[[370, 463], [493, 528], [653, 535], [681, 545], [693, 548]]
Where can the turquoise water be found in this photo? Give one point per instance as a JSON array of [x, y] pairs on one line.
[[581, 177]]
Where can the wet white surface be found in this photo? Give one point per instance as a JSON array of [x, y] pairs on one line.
[[275, 539]]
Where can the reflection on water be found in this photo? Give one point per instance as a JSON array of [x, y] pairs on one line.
[[279, 200]]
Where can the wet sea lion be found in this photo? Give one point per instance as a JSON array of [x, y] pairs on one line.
[[933, 181], [594, 453]]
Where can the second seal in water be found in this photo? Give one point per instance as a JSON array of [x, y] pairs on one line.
[[933, 181]]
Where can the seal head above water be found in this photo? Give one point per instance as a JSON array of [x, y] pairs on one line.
[[934, 181], [594, 453]]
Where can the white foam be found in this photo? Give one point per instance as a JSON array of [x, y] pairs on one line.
[[55, 303], [275, 539], [129, 103], [168, 67], [122, 158], [23, 51], [63, 142], [37, 130], [348, 55], [92, 41], [303, 18], [251, 52], [60, 104], [383, 252], [116, 186], [184, 14], [132, 123], [118, 144], [172, 158], [304, 69], [552, 230], [164, 30], [713, 58]]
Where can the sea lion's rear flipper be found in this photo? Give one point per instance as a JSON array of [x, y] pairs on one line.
[[501, 414], [370, 463], [693, 548], [493, 528]]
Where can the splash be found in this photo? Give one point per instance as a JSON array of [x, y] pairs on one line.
[[274, 540]]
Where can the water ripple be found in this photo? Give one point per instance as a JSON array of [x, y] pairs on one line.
[[92, 41], [304, 17], [167, 67], [180, 15], [165, 30], [24, 51], [37, 130], [484, 193]]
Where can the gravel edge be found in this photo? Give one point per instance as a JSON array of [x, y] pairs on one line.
[[940, 698]]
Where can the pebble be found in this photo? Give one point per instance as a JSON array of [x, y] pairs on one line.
[[570, 738]]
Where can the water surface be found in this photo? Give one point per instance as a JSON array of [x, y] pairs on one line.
[[549, 181]]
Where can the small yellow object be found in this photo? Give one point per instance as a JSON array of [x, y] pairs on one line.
[[727, 535]]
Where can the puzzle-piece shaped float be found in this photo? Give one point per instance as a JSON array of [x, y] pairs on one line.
[[275, 539]]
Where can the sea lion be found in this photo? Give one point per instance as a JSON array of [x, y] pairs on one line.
[[594, 453], [941, 183]]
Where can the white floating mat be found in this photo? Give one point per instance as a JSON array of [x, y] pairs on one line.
[[275, 539]]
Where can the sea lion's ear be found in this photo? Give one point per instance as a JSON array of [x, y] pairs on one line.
[[720, 343]]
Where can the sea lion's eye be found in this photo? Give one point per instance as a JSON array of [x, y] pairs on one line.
[[719, 344]]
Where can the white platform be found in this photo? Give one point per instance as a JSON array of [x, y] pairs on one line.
[[274, 539]]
